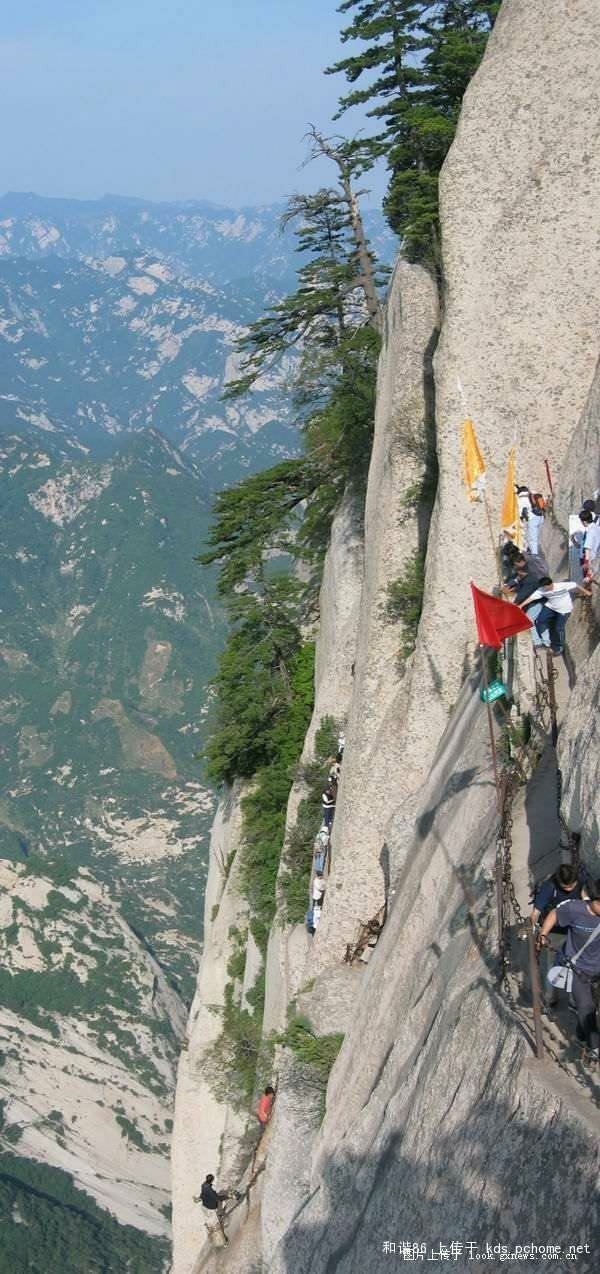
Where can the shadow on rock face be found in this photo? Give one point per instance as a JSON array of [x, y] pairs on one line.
[[495, 1179], [457, 783]]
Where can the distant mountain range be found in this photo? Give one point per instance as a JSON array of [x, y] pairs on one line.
[[109, 635], [117, 325], [223, 245], [119, 314]]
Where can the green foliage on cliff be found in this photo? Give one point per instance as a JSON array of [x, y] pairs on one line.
[[404, 604], [264, 809], [50, 1225], [231, 1062], [254, 690], [316, 1051], [415, 63], [325, 332], [316, 317]]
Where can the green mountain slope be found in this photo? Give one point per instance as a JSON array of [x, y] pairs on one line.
[[109, 636], [47, 1224]]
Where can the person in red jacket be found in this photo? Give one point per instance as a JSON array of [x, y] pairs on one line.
[[265, 1106]]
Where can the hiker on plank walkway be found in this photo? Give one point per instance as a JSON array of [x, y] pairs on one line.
[[328, 801], [556, 608], [264, 1110], [214, 1201], [581, 919]]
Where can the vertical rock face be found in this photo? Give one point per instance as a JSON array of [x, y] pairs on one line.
[[579, 740], [394, 535], [339, 608], [203, 1125], [339, 613], [522, 278], [521, 249], [580, 470], [434, 1109], [206, 1134]]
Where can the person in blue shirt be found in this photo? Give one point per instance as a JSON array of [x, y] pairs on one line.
[[581, 919], [567, 882]]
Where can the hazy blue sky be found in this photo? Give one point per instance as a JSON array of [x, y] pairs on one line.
[[165, 99]]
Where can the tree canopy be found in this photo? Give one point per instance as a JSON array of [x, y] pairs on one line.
[[417, 60]]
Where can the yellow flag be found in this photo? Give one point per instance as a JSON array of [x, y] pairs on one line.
[[510, 520], [473, 463]]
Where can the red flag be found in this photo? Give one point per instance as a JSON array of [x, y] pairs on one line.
[[496, 620]]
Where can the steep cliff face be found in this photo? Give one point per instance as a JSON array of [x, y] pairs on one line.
[[207, 1135], [289, 950], [521, 268], [395, 536], [439, 1124], [205, 1129], [579, 742]]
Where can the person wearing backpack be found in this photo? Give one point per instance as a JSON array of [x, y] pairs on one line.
[[565, 883], [581, 919]]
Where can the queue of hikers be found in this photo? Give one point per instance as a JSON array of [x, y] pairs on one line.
[[214, 1200], [527, 581], [322, 845], [566, 919], [565, 908]]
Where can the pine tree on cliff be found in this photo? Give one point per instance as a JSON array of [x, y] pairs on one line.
[[330, 324], [424, 56], [325, 307]]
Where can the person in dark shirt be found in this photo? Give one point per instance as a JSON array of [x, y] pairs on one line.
[[209, 1197], [567, 882], [564, 884], [509, 554], [328, 802], [581, 918], [528, 570]]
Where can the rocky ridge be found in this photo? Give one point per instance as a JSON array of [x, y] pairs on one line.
[[89, 1036]]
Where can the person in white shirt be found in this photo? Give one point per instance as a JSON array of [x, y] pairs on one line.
[[556, 608], [535, 522], [588, 542], [318, 888]]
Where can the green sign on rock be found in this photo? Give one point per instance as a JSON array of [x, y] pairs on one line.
[[495, 690]]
